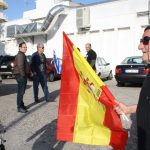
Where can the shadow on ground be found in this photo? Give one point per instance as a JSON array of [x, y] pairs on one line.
[[6, 89], [132, 140], [53, 94], [47, 139]]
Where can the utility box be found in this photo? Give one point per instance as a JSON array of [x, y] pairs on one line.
[[83, 18]]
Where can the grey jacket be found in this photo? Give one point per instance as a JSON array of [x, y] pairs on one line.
[[21, 65]]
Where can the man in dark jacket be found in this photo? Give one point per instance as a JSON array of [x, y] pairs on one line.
[[21, 69], [38, 67], [91, 55]]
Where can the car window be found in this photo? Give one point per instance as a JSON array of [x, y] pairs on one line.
[[133, 60], [103, 61], [8, 59], [99, 62]]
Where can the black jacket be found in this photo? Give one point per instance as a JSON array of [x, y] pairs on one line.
[[36, 63], [91, 58]]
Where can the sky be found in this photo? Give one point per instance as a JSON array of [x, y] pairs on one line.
[[17, 7]]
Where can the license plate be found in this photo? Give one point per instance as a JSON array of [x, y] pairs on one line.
[[3, 66], [131, 71]]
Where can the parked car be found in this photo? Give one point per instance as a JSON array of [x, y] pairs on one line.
[[103, 69], [131, 70], [7, 66], [51, 70]]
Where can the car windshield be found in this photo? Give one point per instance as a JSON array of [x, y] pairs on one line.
[[7, 59], [133, 60]]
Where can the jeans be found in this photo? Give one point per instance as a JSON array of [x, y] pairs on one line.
[[22, 82], [40, 78]]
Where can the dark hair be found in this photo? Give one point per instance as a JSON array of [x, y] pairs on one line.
[[20, 45], [147, 28]]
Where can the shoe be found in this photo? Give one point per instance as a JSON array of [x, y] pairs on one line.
[[24, 107], [36, 100], [22, 110]]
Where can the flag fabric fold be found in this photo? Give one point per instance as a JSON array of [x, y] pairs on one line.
[[86, 113]]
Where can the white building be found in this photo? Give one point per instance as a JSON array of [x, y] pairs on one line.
[[114, 28], [3, 6]]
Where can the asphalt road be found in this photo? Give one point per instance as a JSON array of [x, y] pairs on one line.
[[36, 130]]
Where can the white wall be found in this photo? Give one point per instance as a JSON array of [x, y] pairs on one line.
[[118, 30]]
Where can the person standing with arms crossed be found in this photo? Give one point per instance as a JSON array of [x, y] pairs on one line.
[[142, 109], [21, 70]]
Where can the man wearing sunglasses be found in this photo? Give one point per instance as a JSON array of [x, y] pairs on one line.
[[38, 68], [142, 109]]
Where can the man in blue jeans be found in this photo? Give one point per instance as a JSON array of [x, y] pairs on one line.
[[38, 68], [21, 70]]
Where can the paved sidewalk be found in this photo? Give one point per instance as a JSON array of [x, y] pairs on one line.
[[36, 130]]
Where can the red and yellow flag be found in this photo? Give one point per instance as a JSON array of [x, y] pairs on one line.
[[86, 112]]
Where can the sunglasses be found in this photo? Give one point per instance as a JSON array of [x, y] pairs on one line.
[[145, 40]]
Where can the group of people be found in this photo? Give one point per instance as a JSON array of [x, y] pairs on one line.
[[38, 69]]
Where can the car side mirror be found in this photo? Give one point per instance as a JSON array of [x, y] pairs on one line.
[[107, 64]]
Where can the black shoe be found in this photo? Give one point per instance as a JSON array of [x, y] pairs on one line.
[[22, 110], [24, 107], [36, 100]]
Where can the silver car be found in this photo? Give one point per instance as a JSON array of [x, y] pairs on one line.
[[103, 69]]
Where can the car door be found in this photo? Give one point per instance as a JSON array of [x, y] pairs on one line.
[[100, 68], [106, 69]]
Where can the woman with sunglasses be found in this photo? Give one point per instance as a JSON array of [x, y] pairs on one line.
[[142, 109]]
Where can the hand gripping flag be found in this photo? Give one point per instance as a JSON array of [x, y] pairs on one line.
[[57, 63], [86, 113]]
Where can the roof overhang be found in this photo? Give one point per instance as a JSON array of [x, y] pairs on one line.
[[29, 34]]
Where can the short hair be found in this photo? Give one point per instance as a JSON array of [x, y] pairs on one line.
[[88, 44], [40, 45], [147, 28], [20, 45]]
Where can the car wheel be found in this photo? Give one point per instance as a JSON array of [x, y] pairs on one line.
[[51, 77], [110, 76], [120, 84]]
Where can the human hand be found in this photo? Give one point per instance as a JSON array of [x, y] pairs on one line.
[[121, 108]]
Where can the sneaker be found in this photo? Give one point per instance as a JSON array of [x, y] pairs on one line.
[[22, 110]]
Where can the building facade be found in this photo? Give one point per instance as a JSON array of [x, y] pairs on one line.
[[113, 27]]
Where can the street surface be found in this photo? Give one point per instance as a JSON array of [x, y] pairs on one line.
[[36, 130]]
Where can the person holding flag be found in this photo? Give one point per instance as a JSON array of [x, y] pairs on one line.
[[142, 109]]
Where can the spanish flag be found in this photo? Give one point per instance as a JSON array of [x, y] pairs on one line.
[[86, 112]]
